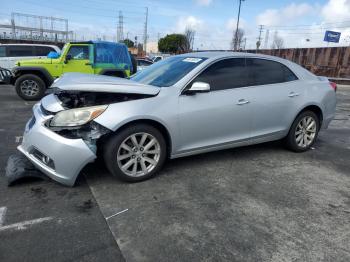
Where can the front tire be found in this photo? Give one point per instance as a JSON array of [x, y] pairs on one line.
[[30, 87], [136, 153], [303, 132]]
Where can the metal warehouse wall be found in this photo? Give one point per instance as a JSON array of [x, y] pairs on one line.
[[327, 61]]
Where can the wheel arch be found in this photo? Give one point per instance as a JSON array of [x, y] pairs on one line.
[[156, 124], [313, 108], [40, 72]]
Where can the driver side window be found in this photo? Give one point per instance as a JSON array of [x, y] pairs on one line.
[[79, 52], [225, 74]]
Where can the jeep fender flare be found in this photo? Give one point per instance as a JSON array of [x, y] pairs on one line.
[[39, 71], [113, 72]]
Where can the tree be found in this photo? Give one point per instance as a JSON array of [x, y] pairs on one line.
[[189, 33], [237, 39], [278, 42], [173, 43], [128, 42]]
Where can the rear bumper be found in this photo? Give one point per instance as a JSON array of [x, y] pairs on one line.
[[326, 122], [68, 156]]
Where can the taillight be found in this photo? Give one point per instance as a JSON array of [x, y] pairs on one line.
[[334, 86]]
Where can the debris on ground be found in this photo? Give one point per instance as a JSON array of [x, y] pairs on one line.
[[18, 167]]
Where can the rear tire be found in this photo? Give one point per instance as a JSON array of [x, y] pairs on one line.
[[303, 132], [30, 87], [135, 153]]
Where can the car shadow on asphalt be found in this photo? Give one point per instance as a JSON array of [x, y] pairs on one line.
[[97, 169]]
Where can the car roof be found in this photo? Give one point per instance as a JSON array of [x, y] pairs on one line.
[[223, 54], [96, 42]]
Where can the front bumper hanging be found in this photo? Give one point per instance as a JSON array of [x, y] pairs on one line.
[[18, 167], [58, 157]]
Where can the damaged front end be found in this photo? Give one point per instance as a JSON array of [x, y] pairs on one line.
[[81, 102], [89, 133], [63, 136]]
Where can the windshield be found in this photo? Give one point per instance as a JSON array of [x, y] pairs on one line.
[[168, 71]]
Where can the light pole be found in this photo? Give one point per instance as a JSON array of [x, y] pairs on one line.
[[236, 34]]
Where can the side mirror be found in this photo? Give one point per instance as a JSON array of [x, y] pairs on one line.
[[198, 87], [67, 58], [53, 55]]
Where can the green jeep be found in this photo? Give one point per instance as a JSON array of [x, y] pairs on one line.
[[32, 77]]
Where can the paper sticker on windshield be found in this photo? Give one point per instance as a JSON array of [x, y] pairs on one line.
[[192, 59]]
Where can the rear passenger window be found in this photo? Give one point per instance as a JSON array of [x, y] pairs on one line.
[[2, 51], [19, 50], [264, 72], [225, 74], [43, 50]]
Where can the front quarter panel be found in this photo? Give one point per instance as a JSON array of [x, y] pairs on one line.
[[161, 108]]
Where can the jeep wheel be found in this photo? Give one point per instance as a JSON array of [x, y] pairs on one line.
[[30, 87]]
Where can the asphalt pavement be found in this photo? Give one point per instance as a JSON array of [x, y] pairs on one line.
[[257, 203]]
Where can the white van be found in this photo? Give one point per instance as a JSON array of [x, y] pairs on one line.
[[11, 53]]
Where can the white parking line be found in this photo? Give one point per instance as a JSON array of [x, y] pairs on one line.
[[117, 213], [2, 215], [23, 225], [18, 139]]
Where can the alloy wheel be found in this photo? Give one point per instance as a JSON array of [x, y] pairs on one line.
[[305, 131], [138, 154], [29, 88]]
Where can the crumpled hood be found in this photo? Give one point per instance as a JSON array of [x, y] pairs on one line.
[[100, 83]]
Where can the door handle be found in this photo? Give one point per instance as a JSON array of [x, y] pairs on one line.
[[293, 94], [242, 102]]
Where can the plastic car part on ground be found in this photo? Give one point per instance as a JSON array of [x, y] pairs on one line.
[[18, 167]]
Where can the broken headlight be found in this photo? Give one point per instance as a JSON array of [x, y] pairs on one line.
[[77, 116]]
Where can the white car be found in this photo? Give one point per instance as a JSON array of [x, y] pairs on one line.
[[157, 58], [143, 63], [11, 53]]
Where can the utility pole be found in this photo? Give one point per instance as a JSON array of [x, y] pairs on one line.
[[236, 33], [258, 43], [145, 32], [266, 39], [120, 36], [13, 26]]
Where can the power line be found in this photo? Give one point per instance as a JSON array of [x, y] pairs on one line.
[[292, 27]]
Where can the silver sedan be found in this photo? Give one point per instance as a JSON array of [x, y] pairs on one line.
[[184, 105]]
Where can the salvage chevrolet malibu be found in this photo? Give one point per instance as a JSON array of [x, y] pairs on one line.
[[180, 106]]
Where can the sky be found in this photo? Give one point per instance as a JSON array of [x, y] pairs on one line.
[[300, 23]]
